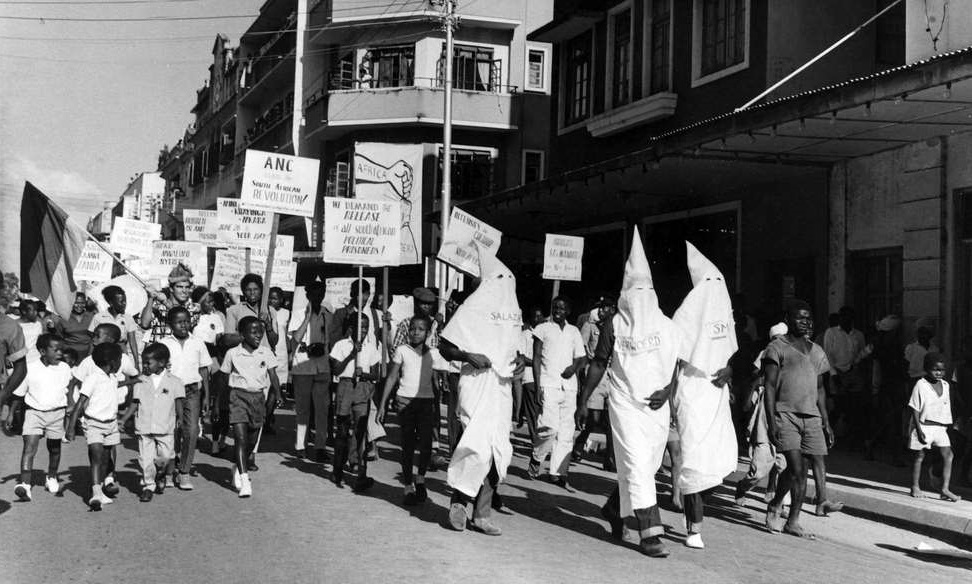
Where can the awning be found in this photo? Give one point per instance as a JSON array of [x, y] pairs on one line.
[[566, 26]]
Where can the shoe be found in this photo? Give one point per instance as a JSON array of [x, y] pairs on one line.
[[146, 495], [372, 454], [300, 453], [251, 466], [694, 541], [338, 480], [457, 516], [170, 481], [94, 503], [421, 493], [654, 548], [246, 489], [533, 471], [159, 486], [237, 481], [363, 484], [576, 456], [110, 487], [563, 484], [52, 486], [22, 490], [485, 526], [411, 498], [184, 483]]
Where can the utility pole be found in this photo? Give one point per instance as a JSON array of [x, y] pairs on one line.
[[449, 22]]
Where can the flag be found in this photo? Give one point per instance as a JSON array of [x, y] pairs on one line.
[[50, 245]]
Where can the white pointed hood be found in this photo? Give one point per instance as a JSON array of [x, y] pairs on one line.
[[489, 321], [705, 316]]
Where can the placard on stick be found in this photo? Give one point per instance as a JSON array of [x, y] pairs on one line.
[[228, 271], [94, 265], [465, 234], [562, 257], [168, 254], [134, 238], [201, 225], [363, 233], [242, 227], [279, 183]]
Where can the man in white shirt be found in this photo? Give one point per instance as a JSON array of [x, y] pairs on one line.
[[846, 348], [558, 354]]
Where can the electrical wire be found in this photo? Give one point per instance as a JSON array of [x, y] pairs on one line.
[[129, 19]]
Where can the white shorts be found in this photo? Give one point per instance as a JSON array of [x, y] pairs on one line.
[[98, 432], [934, 436], [40, 423]]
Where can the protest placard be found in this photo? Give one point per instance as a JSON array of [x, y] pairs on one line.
[[337, 291], [94, 265], [228, 270], [366, 233], [168, 254], [393, 172], [464, 236], [279, 183], [201, 225], [134, 238], [562, 255], [242, 227]]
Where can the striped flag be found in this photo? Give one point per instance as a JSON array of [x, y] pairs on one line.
[[50, 245]]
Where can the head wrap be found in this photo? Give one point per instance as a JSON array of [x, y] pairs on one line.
[[779, 329], [705, 316], [180, 273]]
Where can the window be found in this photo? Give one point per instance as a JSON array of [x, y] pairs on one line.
[[533, 170], [620, 23], [383, 67], [659, 57], [473, 69], [721, 41], [536, 73], [472, 173], [577, 94], [339, 177]]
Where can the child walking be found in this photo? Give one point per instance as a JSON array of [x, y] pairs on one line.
[[931, 416], [251, 371], [155, 401], [44, 393], [411, 368], [98, 404], [356, 357]]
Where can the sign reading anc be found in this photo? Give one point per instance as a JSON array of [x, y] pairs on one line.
[[562, 255], [464, 236], [366, 233], [279, 183]]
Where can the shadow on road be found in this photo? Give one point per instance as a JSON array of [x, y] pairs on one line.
[[931, 559]]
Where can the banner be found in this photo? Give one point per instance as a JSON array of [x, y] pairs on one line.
[[464, 236], [228, 271], [201, 225], [167, 254], [241, 227], [279, 183], [362, 232], [134, 238], [393, 172], [94, 265], [337, 291], [562, 255]]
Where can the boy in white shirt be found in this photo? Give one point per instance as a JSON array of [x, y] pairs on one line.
[[931, 416], [99, 405], [355, 358], [558, 354], [32, 327], [189, 361], [156, 399], [44, 393], [117, 303]]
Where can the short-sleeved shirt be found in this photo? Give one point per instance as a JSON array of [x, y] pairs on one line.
[[249, 371], [156, 403], [12, 345], [316, 332], [186, 358], [87, 367], [416, 371], [123, 321], [797, 381], [368, 356], [401, 335], [101, 390], [74, 330], [526, 349], [159, 329], [560, 347], [32, 331], [843, 348], [237, 312], [931, 407], [45, 387], [209, 327]]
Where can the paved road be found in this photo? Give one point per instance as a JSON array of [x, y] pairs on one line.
[[299, 528]]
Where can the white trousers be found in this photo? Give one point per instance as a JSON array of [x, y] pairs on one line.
[[555, 429], [154, 453]]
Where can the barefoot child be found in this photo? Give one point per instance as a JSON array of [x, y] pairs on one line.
[[250, 367], [411, 368], [156, 399], [44, 393], [931, 415], [99, 405]]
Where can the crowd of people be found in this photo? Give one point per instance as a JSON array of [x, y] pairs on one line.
[[196, 361]]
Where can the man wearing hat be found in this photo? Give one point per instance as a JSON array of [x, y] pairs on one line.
[[157, 308], [425, 301]]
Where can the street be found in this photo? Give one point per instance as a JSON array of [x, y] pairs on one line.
[[299, 528]]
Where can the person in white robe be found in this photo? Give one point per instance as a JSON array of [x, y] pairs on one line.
[[638, 350], [701, 401], [483, 334]]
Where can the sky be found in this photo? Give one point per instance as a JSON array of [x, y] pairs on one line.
[[87, 105]]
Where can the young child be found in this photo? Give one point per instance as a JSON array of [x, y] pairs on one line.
[[70, 357], [32, 328], [250, 367], [190, 362], [126, 375], [931, 416], [356, 359], [411, 368], [98, 404], [44, 393], [212, 323], [117, 303], [156, 399]]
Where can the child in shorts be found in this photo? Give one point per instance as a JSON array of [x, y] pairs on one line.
[[98, 404], [155, 398], [250, 367], [44, 393], [931, 416], [355, 359]]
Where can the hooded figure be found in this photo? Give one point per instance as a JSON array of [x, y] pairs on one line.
[[639, 348], [488, 323], [706, 433]]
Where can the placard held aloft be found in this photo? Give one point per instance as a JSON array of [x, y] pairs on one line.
[[464, 235], [279, 183], [364, 233], [562, 257]]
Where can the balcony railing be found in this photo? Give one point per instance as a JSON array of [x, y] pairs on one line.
[[338, 82]]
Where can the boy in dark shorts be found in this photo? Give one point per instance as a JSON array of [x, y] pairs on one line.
[[251, 371]]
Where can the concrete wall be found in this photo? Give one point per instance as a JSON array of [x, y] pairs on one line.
[[956, 33]]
